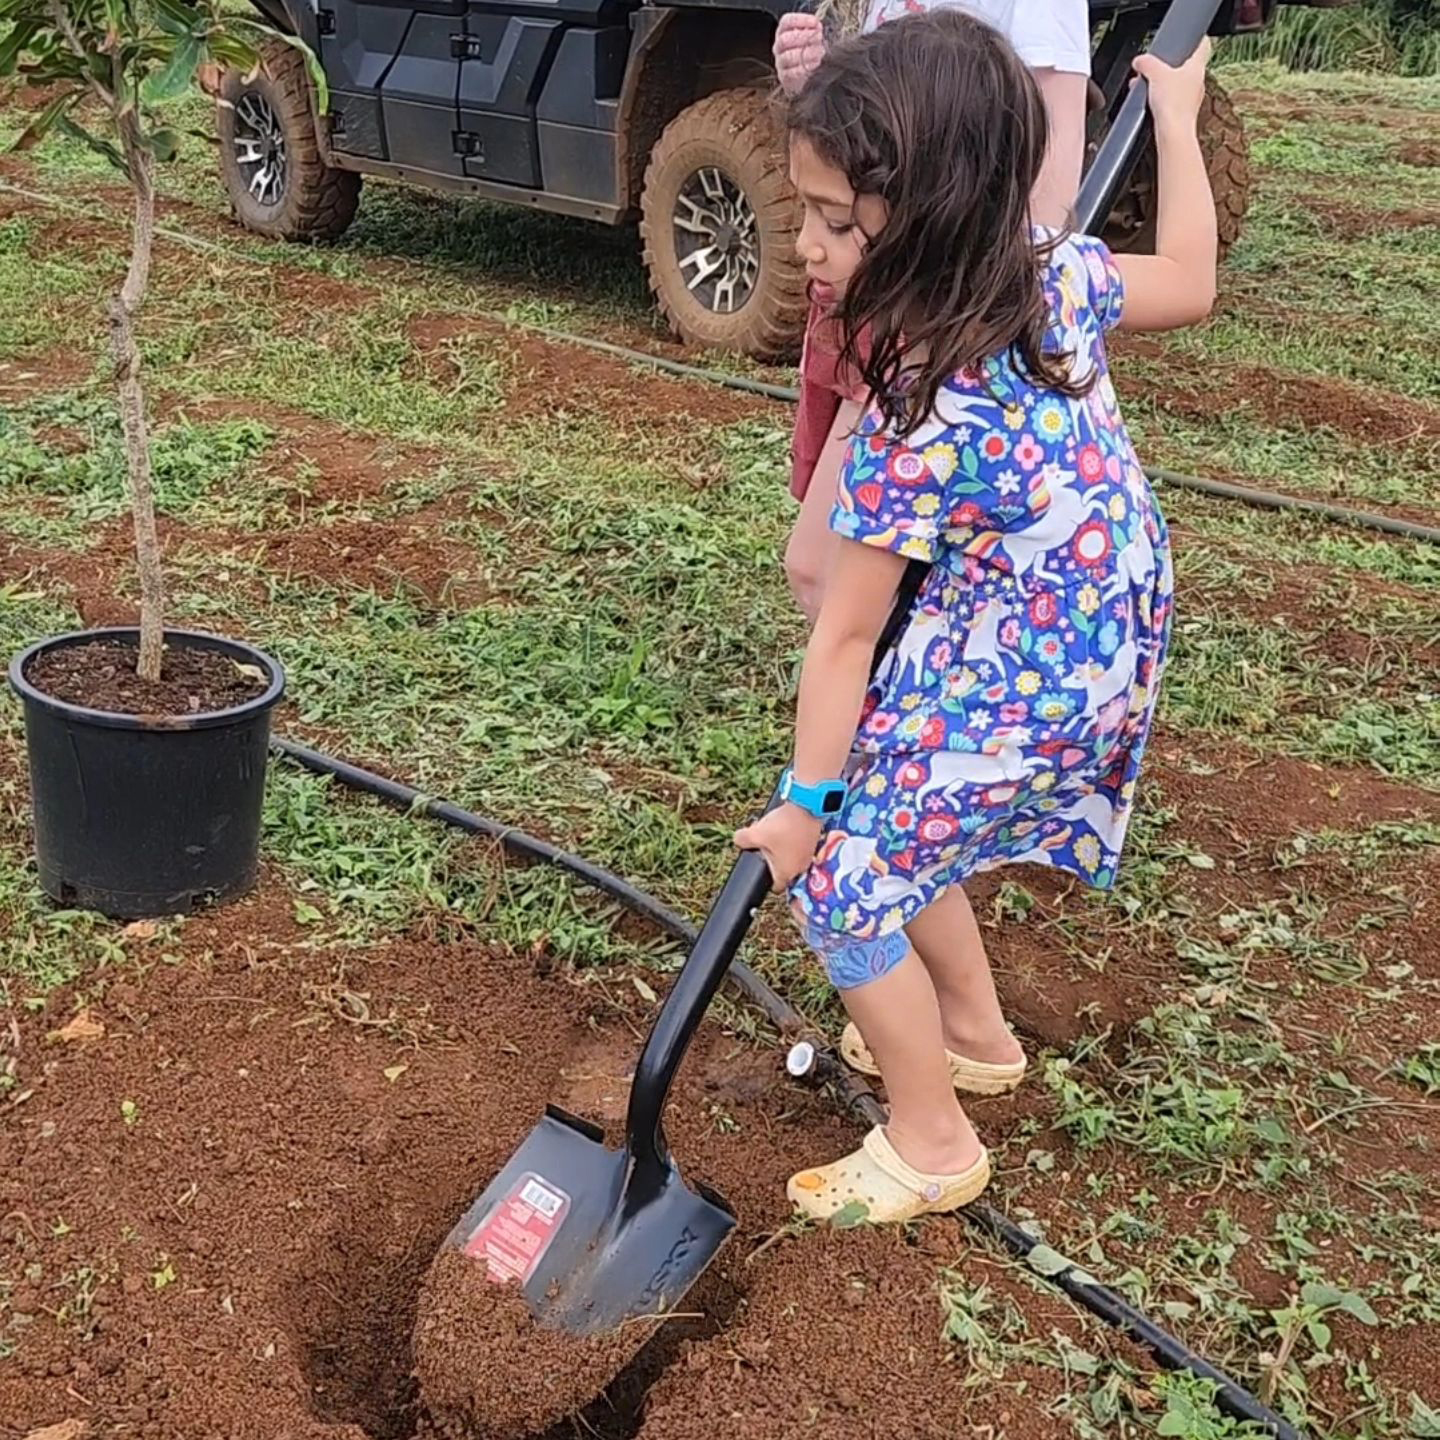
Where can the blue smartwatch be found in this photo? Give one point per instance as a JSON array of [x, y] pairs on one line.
[[822, 800]]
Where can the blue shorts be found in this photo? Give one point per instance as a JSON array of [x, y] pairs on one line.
[[850, 962]]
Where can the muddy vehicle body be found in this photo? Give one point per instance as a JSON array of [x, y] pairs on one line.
[[610, 110]]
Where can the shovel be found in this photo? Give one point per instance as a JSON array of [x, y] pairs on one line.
[[594, 1236]]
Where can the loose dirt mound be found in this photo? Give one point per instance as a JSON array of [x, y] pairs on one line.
[[340, 466], [408, 553], [1296, 402], [1355, 222], [231, 1155], [257, 1144], [1420, 154], [487, 1369]]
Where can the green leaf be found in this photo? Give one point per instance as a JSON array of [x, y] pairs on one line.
[[1045, 1261], [1424, 1422], [19, 36], [66, 126], [171, 82], [1360, 1308], [234, 53], [164, 144], [45, 121], [177, 18], [851, 1214]]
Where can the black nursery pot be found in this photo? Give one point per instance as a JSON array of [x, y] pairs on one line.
[[139, 816]]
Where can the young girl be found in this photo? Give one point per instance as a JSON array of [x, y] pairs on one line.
[[1009, 720], [1053, 38]]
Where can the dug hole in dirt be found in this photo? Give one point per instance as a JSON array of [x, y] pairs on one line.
[[487, 1369], [239, 1150]]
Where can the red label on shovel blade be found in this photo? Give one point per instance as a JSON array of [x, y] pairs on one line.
[[518, 1231]]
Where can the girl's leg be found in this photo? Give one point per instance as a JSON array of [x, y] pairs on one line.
[[1066, 97], [899, 1015], [811, 550], [947, 938]]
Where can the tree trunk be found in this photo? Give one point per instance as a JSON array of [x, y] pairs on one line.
[[123, 310]]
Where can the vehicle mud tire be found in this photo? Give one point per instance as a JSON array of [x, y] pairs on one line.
[[1131, 226], [270, 157], [718, 221]]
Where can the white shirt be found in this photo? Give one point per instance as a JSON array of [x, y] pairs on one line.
[[1046, 34]]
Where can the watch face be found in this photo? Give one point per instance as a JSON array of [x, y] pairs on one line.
[[832, 802]]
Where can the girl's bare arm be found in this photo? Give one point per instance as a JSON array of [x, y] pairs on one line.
[[1176, 285]]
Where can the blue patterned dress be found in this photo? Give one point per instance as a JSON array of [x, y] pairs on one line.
[[1009, 721]]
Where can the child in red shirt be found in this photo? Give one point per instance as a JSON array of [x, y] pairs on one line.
[[1052, 37]]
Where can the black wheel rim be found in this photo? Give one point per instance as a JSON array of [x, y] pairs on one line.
[[259, 143], [717, 241]]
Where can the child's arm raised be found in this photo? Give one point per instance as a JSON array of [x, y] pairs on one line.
[[799, 48], [1176, 285]]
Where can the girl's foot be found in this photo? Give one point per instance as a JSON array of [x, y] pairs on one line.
[[875, 1185], [1001, 1071]]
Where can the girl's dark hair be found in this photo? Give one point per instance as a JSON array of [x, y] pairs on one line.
[[938, 116]]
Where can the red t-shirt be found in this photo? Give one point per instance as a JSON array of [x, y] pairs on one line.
[[822, 387]]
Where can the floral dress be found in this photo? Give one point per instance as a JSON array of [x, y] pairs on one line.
[[1009, 720]]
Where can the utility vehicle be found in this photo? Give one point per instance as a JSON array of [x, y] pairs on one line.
[[611, 110]]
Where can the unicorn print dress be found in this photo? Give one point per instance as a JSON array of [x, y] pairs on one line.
[[1009, 720]]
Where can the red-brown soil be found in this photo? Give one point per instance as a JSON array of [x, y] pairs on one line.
[[23, 378], [409, 553], [483, 1365], [552, 378], [1420, 154], [222, 1187], [1292, 401], [326, 462], [1354, 222], [406, 553], [89, 579]]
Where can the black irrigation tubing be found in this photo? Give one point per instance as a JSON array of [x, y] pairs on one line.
[[1245, 494], [1084, 1289]]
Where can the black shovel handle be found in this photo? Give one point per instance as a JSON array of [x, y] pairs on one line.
[[704, 970], [1184, 26]]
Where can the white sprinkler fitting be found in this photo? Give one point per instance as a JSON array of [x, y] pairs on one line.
[[801, 1059]]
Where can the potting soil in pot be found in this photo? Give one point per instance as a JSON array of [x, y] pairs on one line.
[[101, 676], [487, 1371]]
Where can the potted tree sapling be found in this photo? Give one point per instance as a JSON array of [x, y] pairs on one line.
[[147, 745]]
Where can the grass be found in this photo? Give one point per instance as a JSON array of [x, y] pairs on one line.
[[1390, 36], [1251, 1009]]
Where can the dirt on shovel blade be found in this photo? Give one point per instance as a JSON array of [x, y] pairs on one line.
[[488, 1371]]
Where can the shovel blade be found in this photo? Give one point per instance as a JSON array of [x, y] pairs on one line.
[[563, 1220]]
